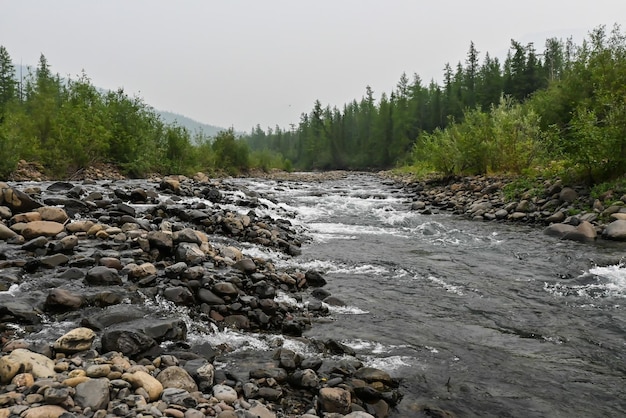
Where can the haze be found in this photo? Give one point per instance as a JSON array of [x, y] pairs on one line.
[[245, 62]]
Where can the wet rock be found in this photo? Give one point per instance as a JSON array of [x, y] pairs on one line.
[[210, 298], [127, 342], [74, 341], [21, 311], [179, 295], [246, 265], [163, 241], [615, 231], [371, 374], [103, 276], [559, 230], [63, 300], [35, 243], [314, 278]]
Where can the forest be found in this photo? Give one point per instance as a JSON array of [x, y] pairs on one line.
[[559, 111]]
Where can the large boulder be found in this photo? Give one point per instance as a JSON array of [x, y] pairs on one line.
[[335, 400], [74, 341], [38, 364], [17, 200], [615, 231]]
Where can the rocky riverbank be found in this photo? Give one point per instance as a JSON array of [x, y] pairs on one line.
[[82, 265], [567, 212]]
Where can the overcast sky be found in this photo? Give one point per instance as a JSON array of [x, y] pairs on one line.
[[242, 62]]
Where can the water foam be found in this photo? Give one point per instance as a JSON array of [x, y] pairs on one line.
[[598, 282]]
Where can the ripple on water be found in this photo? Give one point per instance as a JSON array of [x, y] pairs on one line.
[[598, 282]]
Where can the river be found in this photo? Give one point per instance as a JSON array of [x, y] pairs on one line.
[[480, 319], [475, 318]]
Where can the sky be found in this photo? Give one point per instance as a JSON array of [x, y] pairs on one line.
[[239, 63]]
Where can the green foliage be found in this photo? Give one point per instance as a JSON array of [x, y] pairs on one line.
[[522, 188], [231, 154]]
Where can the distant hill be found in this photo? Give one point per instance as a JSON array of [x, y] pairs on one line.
[[193, 126]]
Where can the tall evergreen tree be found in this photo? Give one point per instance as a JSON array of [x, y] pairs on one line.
[[8, 84]]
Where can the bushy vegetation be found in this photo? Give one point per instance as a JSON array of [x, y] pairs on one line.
[[67, 125], [558, 112]]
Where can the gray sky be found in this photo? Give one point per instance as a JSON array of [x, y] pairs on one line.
[[242, 62]]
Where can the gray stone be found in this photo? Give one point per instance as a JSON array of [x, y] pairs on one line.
[[103, 276], [615, 231]]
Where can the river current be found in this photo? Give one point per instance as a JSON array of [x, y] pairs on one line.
[[476, 318], [480, 319]]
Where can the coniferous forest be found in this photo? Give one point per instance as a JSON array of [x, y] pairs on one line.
[[558, 109]]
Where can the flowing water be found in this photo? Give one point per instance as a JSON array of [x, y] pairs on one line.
[[481, 319]]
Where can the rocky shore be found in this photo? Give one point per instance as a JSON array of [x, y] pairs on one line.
[[82, 265], [566, 212]]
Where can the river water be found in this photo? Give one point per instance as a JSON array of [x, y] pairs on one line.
[[480, 319]]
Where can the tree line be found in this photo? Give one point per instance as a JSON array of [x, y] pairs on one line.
[[561, 109], [68, 125]]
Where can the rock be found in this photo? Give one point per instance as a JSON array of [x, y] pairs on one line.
[[139, 272], [559, 230], [37, 364], [54, 214], [74, 341], [362, 414], [22, 311], [568, 195], [63, 300], [141, 379], [161, 240], [258, 410], [371, 374], [178, 396], [170, 184], [55, 396], [179, 295], [615, 231], [177, 377], [103, 276], [45, 411], [556, 217], [9, 368], [246, 265], [314, 278], [225, 394], [231, 252], [501, 214], [584, 232], [6, 232], [225, 289], [93, 393], [127, 342], [33, 244], [189, 253], [335, 400], [202, 372], [17, 200], [208, 297], [42, 229]]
